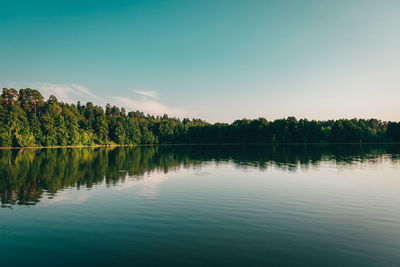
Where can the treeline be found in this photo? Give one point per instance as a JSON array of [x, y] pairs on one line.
[[27, 119]]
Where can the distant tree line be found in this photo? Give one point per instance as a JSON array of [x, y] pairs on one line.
[[27, 119]]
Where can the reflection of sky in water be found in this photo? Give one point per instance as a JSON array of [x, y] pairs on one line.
[[50, 173], [360, 176], [234, 211], [148, 185]]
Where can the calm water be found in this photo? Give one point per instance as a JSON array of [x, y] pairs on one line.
[[201, 206]]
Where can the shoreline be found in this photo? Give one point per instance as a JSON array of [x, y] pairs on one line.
[[190, 144]]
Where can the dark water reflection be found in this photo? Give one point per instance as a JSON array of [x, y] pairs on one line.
[[26, 174], [201, 206]]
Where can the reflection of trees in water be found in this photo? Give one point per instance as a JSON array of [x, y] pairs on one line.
[[294, 157], [26, 174]]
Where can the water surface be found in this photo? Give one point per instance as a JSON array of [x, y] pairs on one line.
[[201, 206]]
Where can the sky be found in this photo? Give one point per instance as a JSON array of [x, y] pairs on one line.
[[215, 60]]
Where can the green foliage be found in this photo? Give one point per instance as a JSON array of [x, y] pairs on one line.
[[27, 120], [393, 131]]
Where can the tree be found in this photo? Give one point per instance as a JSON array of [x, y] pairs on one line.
[[393, 131], [100, 128], [10, 96], [26, 120], [52, 100]]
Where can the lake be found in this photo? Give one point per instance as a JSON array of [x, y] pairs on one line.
[[255, 205]]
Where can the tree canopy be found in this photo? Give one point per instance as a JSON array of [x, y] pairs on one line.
[[27, 119]]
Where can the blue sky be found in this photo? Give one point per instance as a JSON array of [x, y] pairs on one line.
[[218, 60]]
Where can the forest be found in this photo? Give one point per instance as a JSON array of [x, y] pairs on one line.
[[28, 120]]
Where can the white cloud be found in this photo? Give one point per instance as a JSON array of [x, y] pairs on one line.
[[69, 93], [82, 90], [72, 93], [151, 94], [147, 105]]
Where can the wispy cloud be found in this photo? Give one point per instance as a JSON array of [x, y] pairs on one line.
[[82, 90], [150, 94], [146, 105], [146, 101], [69, 93]]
